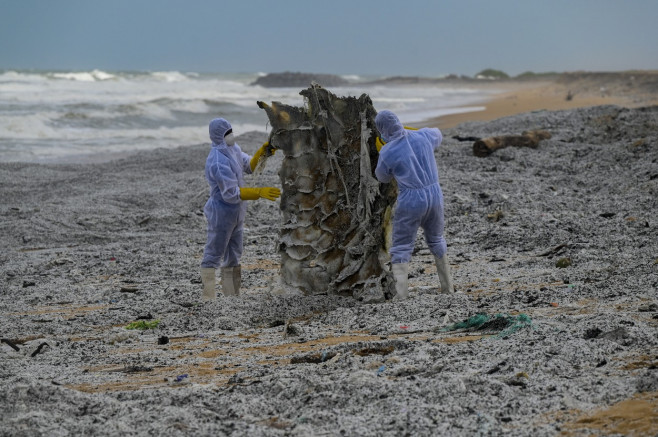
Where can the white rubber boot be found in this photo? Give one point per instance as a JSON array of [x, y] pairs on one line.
[[400, 273], [443, 269], [208, 281], [231, 281], [237, 279]]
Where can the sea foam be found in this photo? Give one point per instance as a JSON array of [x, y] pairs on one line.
[[45, 114]]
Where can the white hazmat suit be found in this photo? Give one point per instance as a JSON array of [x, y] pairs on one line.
[[225, 209], [408, 157]]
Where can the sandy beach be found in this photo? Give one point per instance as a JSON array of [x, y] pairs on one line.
[[567, 92], [556, 247]]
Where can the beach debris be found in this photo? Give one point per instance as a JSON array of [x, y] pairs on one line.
[[616, 335], [135, 369], [10, 344], [144, 220], [460, 138], [505, 324], [276, 423], [381, 369], [276, 323], [291, 330], [128, 289], [60, 261], [180, 378], [555, 250], [163, 340], [608, 214], [408, 371], [143, 324], [374, 350], [649, 308], [333, 235], [235, 379], [119, 337], [27, 283], [563, 263], [316, 358], [496, 215], [39, 349], [517, 381], [486, 146]]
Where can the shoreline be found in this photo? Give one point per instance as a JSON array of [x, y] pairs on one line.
[[517, 98]]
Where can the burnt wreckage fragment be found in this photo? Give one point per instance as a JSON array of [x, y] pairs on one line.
[[336, 215]]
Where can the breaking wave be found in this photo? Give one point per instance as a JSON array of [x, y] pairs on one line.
[[52, 113]]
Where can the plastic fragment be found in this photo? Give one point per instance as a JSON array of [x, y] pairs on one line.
[[10, 344], [143, 324]]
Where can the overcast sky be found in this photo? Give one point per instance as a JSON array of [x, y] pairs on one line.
[[411, 37]]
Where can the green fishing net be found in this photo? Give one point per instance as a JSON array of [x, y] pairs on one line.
[[506, 324]]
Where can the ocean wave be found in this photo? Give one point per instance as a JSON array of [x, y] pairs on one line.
[[169, 76], [351, 77], [53, 111], [12, 76], [89, 141], [85, 76]]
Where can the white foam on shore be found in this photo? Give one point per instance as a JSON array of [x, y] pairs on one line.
[[91, 76], [58, 114]]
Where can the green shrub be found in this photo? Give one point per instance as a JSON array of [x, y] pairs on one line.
[[490, 73]]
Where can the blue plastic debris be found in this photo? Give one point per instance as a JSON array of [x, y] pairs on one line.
[[179, 378], [381, 370]]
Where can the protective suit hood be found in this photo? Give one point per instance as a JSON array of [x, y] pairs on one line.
[[218, 128], [389, 126]]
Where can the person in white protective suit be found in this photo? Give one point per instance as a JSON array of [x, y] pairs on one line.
[[225, 209], [407, 156]]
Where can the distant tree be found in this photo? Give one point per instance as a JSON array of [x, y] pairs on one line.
[[533, 75], [526, 74], [490, 73]]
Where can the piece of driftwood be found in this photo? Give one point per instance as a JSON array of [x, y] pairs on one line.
[[332, 239], [486, 146]]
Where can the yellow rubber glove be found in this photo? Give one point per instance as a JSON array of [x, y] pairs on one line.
[[379, 143], [269, 193], [254, 159]]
